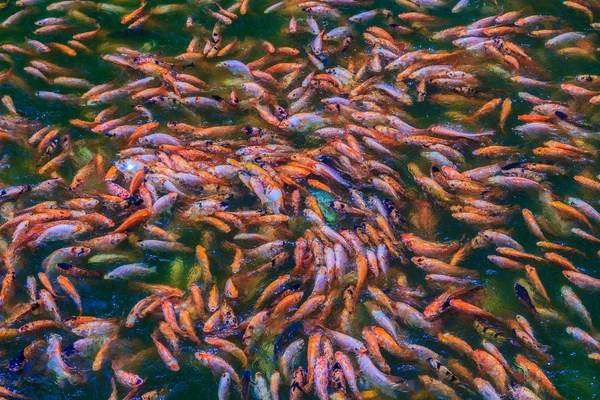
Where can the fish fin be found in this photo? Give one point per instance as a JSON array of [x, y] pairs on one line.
[[395, 379], [404, 386]]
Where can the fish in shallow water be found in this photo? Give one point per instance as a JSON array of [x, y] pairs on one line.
[[331, 219]]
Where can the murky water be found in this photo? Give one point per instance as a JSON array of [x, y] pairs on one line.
[[574, 375]]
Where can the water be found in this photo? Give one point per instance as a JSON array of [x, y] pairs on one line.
[[574, 375]]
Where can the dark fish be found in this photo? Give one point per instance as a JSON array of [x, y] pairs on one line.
[[246, 378], [525, 299], [18, 362]]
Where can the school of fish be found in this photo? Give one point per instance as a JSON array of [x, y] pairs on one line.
[[305, 206]]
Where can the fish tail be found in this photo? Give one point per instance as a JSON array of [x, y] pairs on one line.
[[469, 119], [112, 8]]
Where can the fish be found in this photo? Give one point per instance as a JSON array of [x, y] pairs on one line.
[[583, 337], [385, 382], [489, 332], [536, 376], [26, 355], [217, 364], [493, 368], [522, 392], [130, 271], [70, 289], [166, 355], [275, 382], [224, 384], [574, 303], [58, 365], [291, 201], [321, 377], [260, 388], [486, 390], [582, 280], [438, 388], [288, 357], [525, 298]]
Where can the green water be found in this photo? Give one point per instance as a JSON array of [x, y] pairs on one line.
[[574, 375]]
